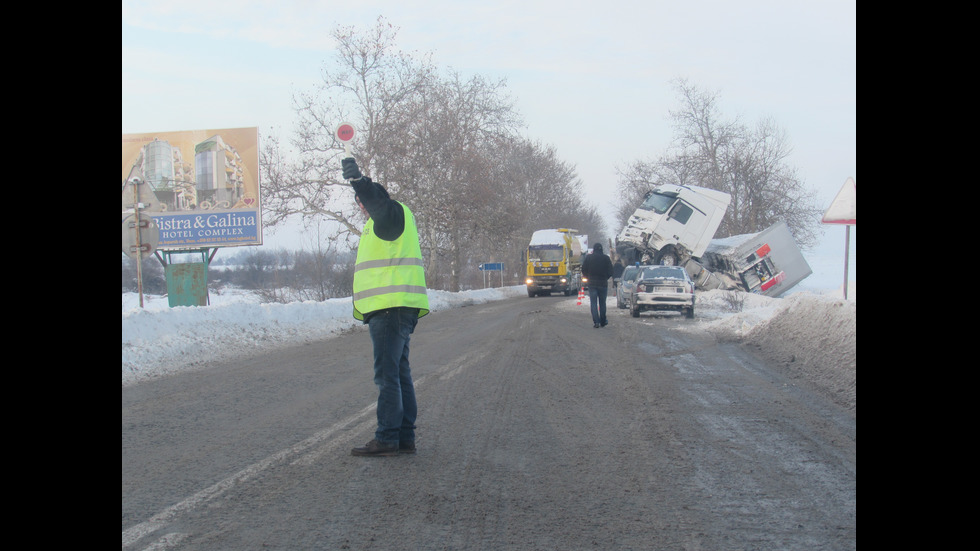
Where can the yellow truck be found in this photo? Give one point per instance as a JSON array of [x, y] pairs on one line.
[[554, 261]]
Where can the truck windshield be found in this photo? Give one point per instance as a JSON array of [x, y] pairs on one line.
[[658, 203], [545, 254]]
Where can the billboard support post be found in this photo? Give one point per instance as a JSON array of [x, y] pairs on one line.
[[139, 243]]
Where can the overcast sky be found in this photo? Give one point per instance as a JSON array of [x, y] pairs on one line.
[[591, 78]]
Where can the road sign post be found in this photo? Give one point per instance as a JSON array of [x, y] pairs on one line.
[[843, 210], [492, 267], [140, 234]]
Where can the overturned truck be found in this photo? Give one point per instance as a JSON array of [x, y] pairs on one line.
[[769, 262], [675, 225]]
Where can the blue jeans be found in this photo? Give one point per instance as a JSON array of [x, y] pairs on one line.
[[597, 301], [391, 331]]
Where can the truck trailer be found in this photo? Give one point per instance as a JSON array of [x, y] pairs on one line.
[[767, 263]]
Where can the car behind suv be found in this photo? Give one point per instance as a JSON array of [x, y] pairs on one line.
[[625, 285], [662, 288]]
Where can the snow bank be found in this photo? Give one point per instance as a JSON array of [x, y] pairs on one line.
[[812, 335], [814, 338], [158, 339]]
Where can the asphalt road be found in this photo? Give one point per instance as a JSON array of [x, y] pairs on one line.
[[536, 431]]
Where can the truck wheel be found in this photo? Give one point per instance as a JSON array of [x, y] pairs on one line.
[[530, 293], [667, 258], [689, 313]]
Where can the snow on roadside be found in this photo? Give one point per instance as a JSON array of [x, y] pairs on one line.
[[803, 329], [158, 340]]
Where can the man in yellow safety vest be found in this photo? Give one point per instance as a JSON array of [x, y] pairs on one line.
[[390, 297]]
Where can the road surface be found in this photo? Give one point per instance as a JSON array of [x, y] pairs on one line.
[[535, 431]]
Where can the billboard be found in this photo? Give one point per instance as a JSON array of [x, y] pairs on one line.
[[201, 186]]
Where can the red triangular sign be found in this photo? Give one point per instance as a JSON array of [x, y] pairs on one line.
[[843, 210]]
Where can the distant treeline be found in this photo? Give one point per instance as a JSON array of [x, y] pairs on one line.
[[279, 275], [283, 275]]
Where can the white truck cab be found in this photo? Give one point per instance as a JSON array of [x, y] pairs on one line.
[[674, 223]]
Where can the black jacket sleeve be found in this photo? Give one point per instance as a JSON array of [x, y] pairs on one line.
[[388, 214]]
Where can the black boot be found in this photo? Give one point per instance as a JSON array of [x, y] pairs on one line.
[[373, 448]]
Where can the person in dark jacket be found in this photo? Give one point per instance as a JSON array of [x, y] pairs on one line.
[[597, 268], [390, 297]]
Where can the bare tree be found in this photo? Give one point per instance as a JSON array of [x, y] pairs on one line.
[[438, 160], [369, 85], [448, 147], [750, 165]]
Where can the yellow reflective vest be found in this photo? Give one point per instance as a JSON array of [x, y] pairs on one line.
[[388, 274]]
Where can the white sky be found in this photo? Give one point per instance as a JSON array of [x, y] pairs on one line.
[[593, 79]]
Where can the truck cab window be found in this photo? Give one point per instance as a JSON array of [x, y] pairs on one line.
[[681, 212]]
